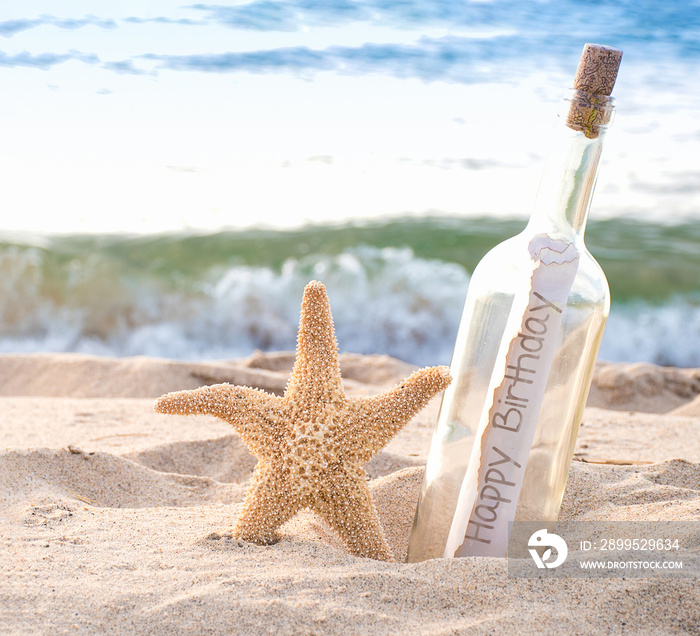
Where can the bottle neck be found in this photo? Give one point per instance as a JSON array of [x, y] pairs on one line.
[[570, 173]]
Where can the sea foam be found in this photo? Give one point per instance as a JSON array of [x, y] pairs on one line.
[[384, 300]]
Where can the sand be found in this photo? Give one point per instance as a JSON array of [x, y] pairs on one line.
[[114, 519]]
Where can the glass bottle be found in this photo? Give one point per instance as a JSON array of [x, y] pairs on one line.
[[497, 383]]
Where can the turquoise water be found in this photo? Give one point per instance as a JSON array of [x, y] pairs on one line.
[[395, 286]]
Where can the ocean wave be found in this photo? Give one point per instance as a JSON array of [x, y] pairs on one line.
[[383, 300], [667, 335], [224, 296]]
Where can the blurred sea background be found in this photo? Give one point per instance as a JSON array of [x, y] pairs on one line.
[[172, 176]]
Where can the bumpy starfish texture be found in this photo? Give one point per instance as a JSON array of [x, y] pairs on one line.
[[312, 443]]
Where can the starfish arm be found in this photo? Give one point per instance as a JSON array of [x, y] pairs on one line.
[[347, 507], [254, 414], [315, 378], [374, 421], [270, 502]]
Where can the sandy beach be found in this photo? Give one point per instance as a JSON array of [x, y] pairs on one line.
[[114, 519]]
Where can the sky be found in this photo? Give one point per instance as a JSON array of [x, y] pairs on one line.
[[164, 116]]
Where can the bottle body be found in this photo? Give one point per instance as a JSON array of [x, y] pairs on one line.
[[491, 306], [491, 294]]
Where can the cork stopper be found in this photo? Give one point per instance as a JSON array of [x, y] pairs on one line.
[[591, 106], [597, 69]]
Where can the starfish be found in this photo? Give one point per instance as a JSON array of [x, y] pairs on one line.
[[313, 442]]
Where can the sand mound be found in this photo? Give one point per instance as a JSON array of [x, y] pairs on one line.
[[396, 496], [643, 387], [103, 480], [689, 409], [225, 459], [667, 490], [84, 376], [117, 520], [77, 375]]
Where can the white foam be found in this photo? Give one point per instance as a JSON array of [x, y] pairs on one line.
[[383, 301], [668, 334]]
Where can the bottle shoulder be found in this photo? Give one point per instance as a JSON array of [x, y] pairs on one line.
[[590, 280], [504, 260], [508, 266]]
